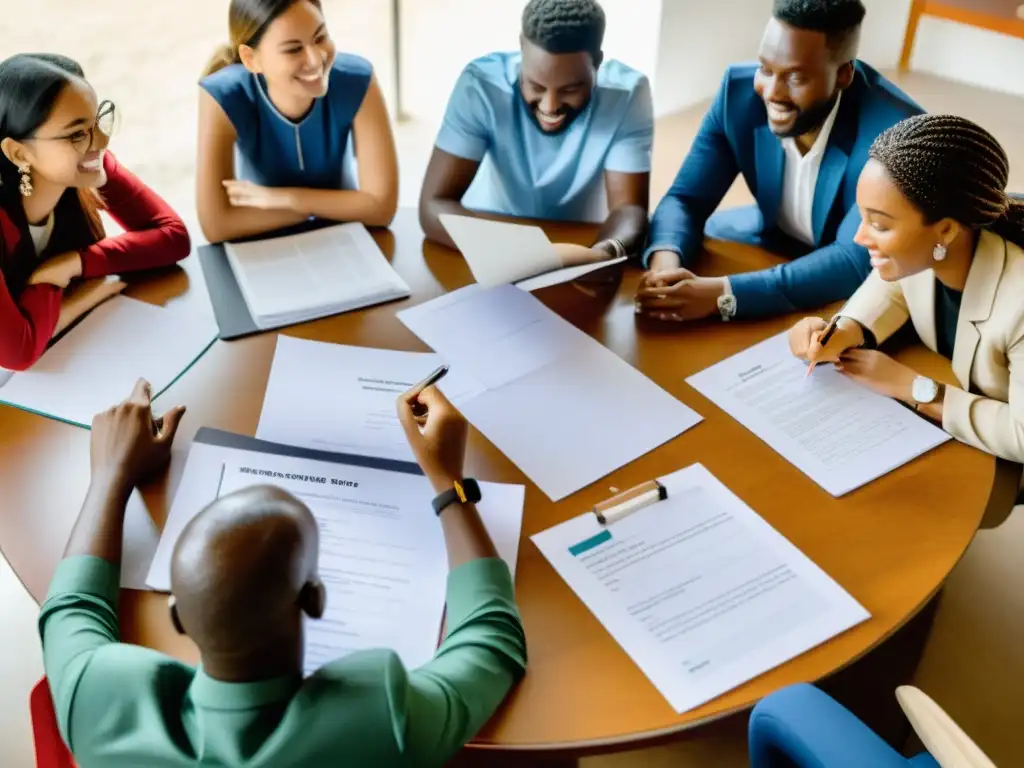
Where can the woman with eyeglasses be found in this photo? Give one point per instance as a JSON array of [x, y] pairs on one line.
[[290, 129], [55, 177]]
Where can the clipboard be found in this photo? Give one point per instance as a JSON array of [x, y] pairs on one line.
[[232, 313]]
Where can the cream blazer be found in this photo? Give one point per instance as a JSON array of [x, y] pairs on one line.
[[988, 353]]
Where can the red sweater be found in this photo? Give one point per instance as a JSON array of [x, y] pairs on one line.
[[155, 236]]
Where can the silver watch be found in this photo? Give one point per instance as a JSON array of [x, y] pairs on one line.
[[727, 303], [924, 391]]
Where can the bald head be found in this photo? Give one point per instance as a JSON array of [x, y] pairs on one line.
[[242, 573]]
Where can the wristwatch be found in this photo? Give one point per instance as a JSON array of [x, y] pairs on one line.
[[466, 491], [924, 390], [727, 302]]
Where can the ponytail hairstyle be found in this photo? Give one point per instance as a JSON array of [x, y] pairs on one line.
[[30, 84], [949, 167], [248, 21]]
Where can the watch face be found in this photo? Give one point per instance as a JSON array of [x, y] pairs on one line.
[[727, 305], [924, 390]]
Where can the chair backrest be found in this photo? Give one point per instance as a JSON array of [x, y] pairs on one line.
[[50, 749], [941, 736]]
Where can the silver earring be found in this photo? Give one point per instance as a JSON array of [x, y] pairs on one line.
[[939, 252], [25, 187]]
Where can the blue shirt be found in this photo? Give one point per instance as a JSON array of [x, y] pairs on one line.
[[525, 172], [274, 151]]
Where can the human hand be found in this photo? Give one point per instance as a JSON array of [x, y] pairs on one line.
[[59, 270], [879, 373], [678, 295], [127, 444], [804, 339], [663, 261], [440, 447], [245, 194], [573, 255]]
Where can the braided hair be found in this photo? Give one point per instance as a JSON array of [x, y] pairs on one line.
[[949, 167], [565, 26]]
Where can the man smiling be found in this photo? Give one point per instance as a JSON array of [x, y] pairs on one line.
[[551, 132], [798, 127]]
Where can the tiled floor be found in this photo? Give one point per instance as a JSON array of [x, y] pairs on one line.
[[147, 57]]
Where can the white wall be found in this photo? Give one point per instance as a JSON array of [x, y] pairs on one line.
[[698, 40], [449, 33]]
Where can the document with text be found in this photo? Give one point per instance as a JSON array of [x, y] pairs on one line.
[[382, 552], [837, 432], [698, 589], [333, 397], [564, 408], [502, 252], [297, 278]]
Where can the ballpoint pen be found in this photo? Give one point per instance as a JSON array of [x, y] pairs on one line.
[[829, 330]]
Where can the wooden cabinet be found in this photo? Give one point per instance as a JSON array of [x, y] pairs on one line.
[[1006, 16]]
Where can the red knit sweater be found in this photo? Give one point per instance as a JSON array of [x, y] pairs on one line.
[[155, 236]]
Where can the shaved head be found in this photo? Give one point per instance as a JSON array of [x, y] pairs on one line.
[[242, 574]]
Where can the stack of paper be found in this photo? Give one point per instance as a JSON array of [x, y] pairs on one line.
[[297, 278], [97, 363], [499, 252], [698, 589], [838, 433]]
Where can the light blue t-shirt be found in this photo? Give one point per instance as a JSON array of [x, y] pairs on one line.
[[525, 172]]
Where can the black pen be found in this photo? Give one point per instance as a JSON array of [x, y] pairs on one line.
[[431, 380], [829, 330]]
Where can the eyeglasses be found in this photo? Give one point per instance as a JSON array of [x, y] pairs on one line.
[[107, 122]]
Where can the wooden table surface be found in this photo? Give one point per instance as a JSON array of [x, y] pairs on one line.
[[891, 544]]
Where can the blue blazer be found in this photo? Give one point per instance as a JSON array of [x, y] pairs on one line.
[[735, 138]]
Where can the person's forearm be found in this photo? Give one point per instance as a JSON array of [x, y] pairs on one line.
[[100, 523], [465, 536], [234, 223], [83, 298], [430, 219], [674, 227], [344, 205], [628, 225]]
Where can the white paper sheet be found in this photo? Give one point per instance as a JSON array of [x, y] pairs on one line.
[[698, 589], [500, 252], [332, 397], [138, 543], [302, 277], [561, 406], [838, 433], [501, 509], [99, 360], [560, 276]]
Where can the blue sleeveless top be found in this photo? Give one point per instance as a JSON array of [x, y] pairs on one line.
[[272, 150]]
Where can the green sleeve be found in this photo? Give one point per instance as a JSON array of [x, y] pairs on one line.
[[449, 699], [78, 618]]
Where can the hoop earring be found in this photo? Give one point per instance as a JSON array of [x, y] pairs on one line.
[[25, 186], [939, 252]]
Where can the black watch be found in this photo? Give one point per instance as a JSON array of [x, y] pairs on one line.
[[466, 491]]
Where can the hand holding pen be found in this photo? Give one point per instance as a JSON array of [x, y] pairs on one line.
[[817, 341]]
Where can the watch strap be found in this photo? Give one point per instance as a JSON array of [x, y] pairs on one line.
[[466, 491]]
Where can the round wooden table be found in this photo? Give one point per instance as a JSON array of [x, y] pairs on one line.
[[891, 544]]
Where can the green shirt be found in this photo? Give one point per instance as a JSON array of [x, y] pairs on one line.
[[124, 705]]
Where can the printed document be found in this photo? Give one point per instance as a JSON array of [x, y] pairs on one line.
[[382, 553], [565, 409], [698, 589], [297, 278], [500, 252], [97, 363], [332, 397], [838, 433]]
